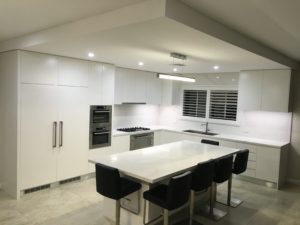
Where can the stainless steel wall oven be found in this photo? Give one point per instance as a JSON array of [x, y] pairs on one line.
[[100, 126]]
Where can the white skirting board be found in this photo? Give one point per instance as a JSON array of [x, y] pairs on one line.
[[294, 181]]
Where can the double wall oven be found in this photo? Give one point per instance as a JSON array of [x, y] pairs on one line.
[[100, 126]]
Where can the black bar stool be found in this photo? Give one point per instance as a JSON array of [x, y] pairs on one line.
[[223, 172], [210, 142], [111, 185], [202, 178], [170, 196], [239, 166]]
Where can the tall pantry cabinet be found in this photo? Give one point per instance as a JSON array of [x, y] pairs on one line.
[[53, 116]]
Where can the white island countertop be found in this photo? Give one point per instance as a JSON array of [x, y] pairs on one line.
[[157, 163]]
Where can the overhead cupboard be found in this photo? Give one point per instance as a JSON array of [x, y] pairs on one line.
[[264, 90]]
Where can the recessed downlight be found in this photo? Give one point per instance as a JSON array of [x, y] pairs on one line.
[[217, 77], [216, 67], [91, 54], [175, 69], [141, 63]]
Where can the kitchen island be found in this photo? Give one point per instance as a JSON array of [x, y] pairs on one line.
[[152, 165]]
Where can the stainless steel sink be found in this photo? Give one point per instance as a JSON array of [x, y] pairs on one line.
[[200, 132]]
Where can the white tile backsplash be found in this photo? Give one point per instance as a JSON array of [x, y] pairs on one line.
[[265, 125]]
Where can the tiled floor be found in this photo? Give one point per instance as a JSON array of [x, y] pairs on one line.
[[79, 204]]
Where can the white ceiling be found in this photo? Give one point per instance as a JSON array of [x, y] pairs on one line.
[[122, 37], [20, 17], [152, 42], [272, 22]]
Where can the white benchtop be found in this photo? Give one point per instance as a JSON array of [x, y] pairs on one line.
[[236, 138], [157, 163]]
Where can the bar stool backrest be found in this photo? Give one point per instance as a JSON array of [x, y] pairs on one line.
[[240, 162], [223, 169], [178, 190], [210, 142], [108, 181], [203, 175]]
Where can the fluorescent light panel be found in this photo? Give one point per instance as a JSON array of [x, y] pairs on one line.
[[178, 78]]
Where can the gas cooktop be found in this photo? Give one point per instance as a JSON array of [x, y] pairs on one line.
[[133, 129]]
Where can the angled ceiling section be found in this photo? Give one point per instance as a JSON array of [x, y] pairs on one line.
[[149, 30], [135, 13], [189, 16]]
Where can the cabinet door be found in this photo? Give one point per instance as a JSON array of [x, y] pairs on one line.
[[250, 90], [154, 90], [38, 68], [108, 85], [120, 144], [267, 163], [74, 113], [37, 155], [95, 83], [73, 72], [276, 90]]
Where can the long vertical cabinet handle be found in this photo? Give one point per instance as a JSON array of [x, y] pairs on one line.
[[54, 134], [61, 130]]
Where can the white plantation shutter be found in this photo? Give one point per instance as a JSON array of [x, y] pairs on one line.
[[194, 103], [223, 104]]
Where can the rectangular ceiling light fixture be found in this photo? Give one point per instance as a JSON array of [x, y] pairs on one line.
[[178, 78]]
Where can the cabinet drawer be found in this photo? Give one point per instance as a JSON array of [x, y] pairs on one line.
[[250, 173], [252, 157], [251, 165]]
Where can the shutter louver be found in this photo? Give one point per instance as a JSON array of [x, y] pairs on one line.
[[194, 103], [223, 105]]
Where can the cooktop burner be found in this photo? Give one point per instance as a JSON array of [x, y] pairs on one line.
[[133, 129]]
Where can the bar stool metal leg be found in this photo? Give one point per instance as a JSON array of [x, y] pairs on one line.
[[231, 201], [215, 213], [118, 208], [192, 202], [166, 217]]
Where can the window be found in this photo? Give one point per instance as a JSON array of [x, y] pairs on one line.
[[210, 104], [223, 105], [194, 103]]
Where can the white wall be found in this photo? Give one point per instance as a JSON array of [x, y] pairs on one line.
[[135, 115], [9, 121]]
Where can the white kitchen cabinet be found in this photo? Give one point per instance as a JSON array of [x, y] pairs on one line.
[[73, 119], [38, 68], [50, 153], [171, 92], [276, 91], [130, 86], [120, 143], [268, 163], [264, 90], [108, 84], [73, 72], [153, 90], [157, 138], [135, 86], [101, 84], [38, 112], [250, 90]]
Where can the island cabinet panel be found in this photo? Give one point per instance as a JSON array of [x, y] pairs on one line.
[[120, 144]]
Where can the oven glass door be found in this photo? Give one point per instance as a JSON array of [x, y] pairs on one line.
[[100, 138], [101, 116]]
